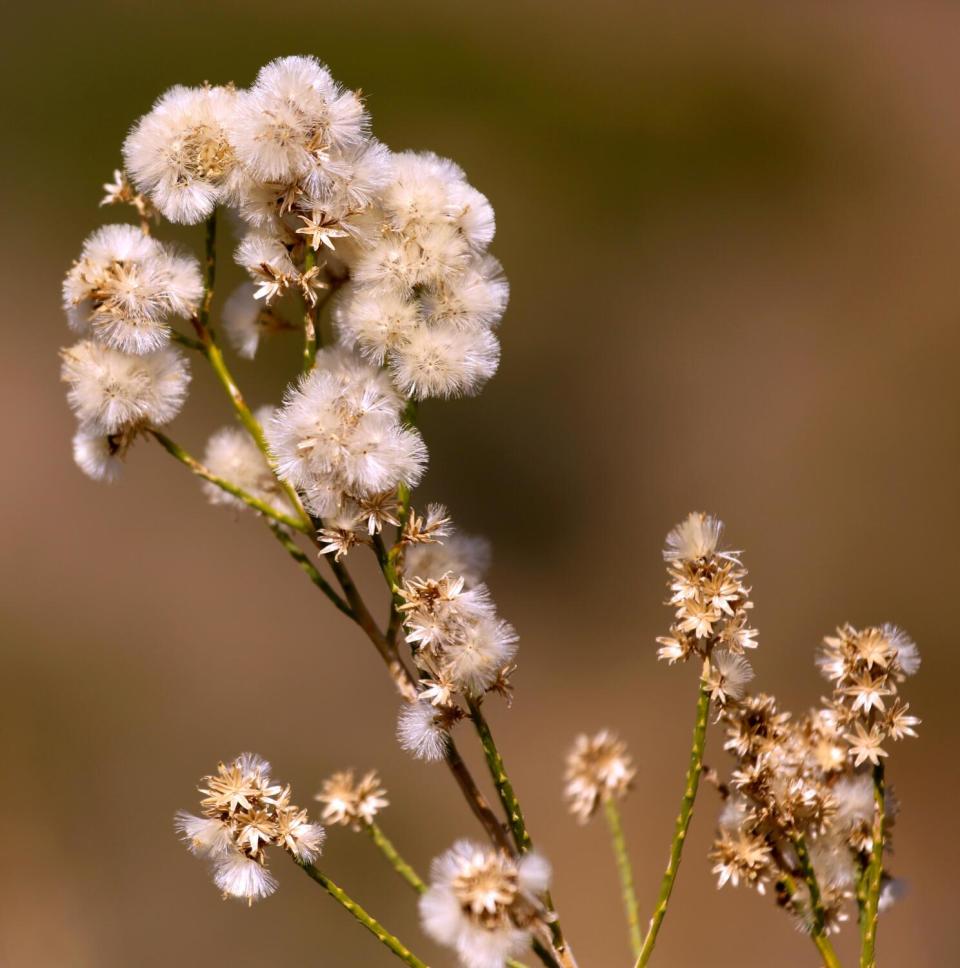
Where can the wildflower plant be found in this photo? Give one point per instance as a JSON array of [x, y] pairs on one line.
[[378, 262]]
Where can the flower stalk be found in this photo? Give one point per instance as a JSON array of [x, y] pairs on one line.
[[625, 870], [873, 877], [694, 770], [367, 920], [818, 914], [175, 450]]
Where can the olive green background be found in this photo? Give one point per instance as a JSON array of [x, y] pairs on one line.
[[731, 231]]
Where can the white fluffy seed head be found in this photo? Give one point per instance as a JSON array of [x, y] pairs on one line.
[[239, 876], [111, 392], [694, 538], [179, 153], [420, 732], [476, 297], [472, 662], [97, 455], [339, 435], [445, 361], [376, 321], [479, 902], [125, 287], [293, 118]]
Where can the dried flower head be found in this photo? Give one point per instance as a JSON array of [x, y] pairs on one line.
[[484, 904], [710, 599], [126, 287], [243, 811], [598, 768], [352, 802]]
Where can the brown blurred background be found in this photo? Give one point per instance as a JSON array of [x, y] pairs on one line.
[[731, 232]]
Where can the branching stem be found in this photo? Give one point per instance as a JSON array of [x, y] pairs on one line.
[[201, 471]]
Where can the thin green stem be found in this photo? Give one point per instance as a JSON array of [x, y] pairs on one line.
[[817, 912], [625, 869], [514, 812], [874, 874], [188, 341], [309, 569], [173, 448], [501, 780], [369, 922], [475, 799], [210, 349], [393, 856], [682, 824]]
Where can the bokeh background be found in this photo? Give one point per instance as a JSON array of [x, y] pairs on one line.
[[731, 231]]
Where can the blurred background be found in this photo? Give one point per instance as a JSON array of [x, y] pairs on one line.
[[731, 233]]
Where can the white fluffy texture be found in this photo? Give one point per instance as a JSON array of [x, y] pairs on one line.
[[458, 554], [419, 732], [96, 455], [292, 118], [204, 836], [305, 841], [474, 298], [239, 876], [443, 361], [239, 319], [908, 655], [339, 435], [445, 919], [473, 662], [126, 286], [535, 873], [378, 321], [695, 537], [111, 392], [853, 796], [179, 154], [233, 454], [268, 262], [428, 191], [833, 863], [425, 294], [729, 673]]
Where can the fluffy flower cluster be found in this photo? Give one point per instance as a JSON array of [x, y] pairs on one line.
[[243, 812], [405, 234], [124, 378], [598, 769], [425, 295], [711, 605], [116, 396], [351, 802], [322, 206], [484, 904], [797, 798], [126, 287], [340, 439]]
